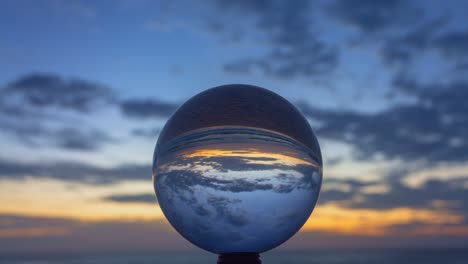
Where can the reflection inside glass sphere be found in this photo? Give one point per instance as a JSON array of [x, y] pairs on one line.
[[236, 189]]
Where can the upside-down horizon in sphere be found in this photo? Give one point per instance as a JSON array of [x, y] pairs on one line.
[[237, 168]]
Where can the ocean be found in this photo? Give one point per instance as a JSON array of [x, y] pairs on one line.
[[459, 256]]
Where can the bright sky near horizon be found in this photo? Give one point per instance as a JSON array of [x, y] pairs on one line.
[[86, 86]]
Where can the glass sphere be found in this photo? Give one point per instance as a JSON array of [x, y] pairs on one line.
[[237, 168]]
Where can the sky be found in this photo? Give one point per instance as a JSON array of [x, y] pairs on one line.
[[86, 87]]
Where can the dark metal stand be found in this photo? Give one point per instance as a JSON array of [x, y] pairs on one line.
[[239, 258]]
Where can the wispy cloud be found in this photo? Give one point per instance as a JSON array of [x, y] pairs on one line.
[[73, 171], [38, 109], [41, 90], [373, 17], [294, 49], [147, 108], [430, 128], [132, 198], [41, 109]]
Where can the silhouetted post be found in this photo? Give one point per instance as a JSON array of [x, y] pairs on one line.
[[239, 258]]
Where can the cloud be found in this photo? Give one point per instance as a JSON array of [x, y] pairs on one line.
[[73, 171], [40, 109], [461, 67], [452, 44], [48, 90], [16, 221], [353, 188], [432, 128], [428, 37], [222, 206], [74, 139], [450, 195], [35, 134], [146, 133], [147, 108], [372, 16], [43, 109], [333, 161], [402, 49], [132, 198], [285, 178], [294, 48]]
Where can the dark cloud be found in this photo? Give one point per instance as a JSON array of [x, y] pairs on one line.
[[404, 48], [283, 182], [372, 16], [450, 194], [403, 31], [34, 134], [238, 163], [353, 188], [295, 50], [73, 171], [334, 161], [427, 37], [452, 44], [132, 198], [184, 180], [146, 133], [400, 195], [334, 195], [26, 132], [16, 221], [74, 139], [446, 99], [49, 90], [34, 109], [147, 108], [48, 110], [432, 128], [461, 67], [222, 206]]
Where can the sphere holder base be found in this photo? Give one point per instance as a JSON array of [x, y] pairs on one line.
[[239, 258]]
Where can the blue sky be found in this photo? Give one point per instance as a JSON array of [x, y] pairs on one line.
[[86, 86]]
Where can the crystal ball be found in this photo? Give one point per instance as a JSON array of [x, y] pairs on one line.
[[237, 168]]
